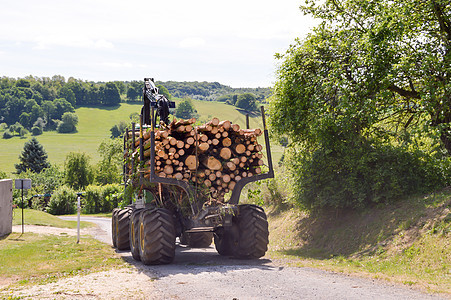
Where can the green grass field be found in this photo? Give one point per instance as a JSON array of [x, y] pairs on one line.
[[94, 126], [36, 217]]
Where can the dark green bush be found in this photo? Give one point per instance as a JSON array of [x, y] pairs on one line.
[[362, 174], [63, 201]]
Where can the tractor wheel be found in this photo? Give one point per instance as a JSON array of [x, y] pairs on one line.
[[113, 226], [226, 240], [157, 236], [253, 232], [197, 239], [122, 229], [134, 233]]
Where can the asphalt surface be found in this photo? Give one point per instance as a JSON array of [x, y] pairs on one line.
[[203, 274]]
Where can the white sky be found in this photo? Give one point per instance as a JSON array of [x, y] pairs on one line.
[[232, 42]]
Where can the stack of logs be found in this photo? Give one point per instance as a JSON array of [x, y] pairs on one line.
[[215, 155]]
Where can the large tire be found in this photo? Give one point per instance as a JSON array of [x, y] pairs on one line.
[[226, 240], [157, 236], [197, 239], [122, 229], [253, 232], [113, 226], [134, 233]]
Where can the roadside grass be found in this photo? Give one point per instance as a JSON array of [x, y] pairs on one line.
[[408, 242], [40, 259], [37, 217], [94, 125]]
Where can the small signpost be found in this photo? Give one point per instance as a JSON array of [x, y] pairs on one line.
[[22, 184], [78, 216]]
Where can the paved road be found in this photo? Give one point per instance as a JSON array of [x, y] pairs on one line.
[[203, 274]]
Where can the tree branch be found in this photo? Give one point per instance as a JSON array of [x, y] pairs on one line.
[[403, 92]]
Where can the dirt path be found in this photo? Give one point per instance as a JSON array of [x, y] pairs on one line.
[[203, 274]]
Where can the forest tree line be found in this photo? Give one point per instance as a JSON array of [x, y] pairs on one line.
[[42, 103]]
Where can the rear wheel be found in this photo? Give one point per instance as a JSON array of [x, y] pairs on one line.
[[157, 236], [122, 229], [134, 234], [197, 239], [226, 240], [113, 226]]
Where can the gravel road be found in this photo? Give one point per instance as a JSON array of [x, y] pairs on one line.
[[203, 274]]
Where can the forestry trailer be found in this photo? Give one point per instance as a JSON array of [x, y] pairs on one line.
[[185, 180]]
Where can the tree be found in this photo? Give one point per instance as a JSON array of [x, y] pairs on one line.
[[383, 65], [373, 76], [163, 91], [33, 157], [68, 123], [111, 95], [78, 172], [185, 109], [118, 129], [246, 101], [109, 168]]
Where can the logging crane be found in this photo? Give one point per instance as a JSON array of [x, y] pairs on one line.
[[184, 181]]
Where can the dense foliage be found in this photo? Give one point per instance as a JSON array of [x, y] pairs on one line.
[[362, 96]]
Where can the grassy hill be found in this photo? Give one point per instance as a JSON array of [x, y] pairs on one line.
[[94, 126], [408, 242]]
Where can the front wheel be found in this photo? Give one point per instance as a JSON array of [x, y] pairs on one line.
[[197, 239]]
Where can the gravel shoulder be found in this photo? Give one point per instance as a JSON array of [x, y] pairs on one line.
[[203, 274]]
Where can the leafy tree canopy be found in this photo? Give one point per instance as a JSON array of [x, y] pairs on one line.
[[78, 172], [371, 67]]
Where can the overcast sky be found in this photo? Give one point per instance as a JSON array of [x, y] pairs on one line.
[[232, 42]]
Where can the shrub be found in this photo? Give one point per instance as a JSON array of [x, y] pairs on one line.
[[361, 175], [63, 201], [92, 199], [7, 134], [36, 130], [111, 195]]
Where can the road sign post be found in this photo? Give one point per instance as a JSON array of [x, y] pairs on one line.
[[22, 184]]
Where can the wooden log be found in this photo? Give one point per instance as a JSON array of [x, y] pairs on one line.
[[211, 163], [239, 148], [178, 176], [203, 137], [212, 177], [227, 142], [225, 153], [230, 165], [168, 169], [213, 122], [203, 147], [214, 130], [225, 124], [180, 144], [191, 162], [215, 142], [190, 140], [235, 127], [204, 128], [226, 178], [207, 183]]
